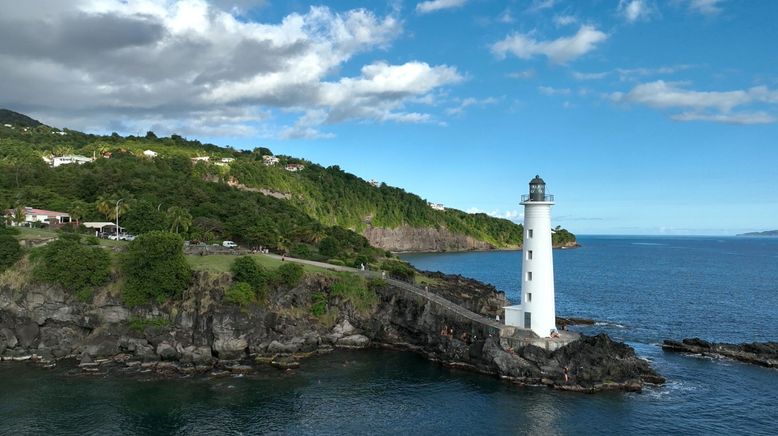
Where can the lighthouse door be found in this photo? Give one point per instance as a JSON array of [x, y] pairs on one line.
[[527, 320]]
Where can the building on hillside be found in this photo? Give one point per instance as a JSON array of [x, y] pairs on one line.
[[374, 182], [201, 159], [294, 167], [69, 159], [227, 160], [59, 132], [32, 216], [8, 125], [150, 154], [270, 160], [102, 228], [436, 206]]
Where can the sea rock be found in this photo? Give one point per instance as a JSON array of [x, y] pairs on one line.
[[27, 333], [167, 352], [7, 339], [344, 328], [353, 341], [756, 353]]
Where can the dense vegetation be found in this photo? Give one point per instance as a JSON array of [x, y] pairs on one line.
[[73, 263], [171, 193], [10, 250], [155, 268]]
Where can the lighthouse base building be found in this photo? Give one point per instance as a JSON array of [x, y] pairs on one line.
[[536, 311]]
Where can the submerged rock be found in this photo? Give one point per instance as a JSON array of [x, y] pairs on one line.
[[756, 353]]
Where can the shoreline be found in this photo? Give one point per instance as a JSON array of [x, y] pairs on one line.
[[476, 250]]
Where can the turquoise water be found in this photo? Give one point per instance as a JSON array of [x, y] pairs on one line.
[[642, 289]]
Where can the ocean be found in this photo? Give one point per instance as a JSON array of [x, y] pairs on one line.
[[640, 290]]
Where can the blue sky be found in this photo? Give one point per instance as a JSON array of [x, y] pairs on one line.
[[644, 117]]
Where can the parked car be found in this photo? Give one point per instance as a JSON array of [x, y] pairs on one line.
[[127, 237], [229, 244]]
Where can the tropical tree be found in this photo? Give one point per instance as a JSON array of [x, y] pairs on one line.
[[62, 150], [107, 205], [78, 211], [179, 218], [19, 214]]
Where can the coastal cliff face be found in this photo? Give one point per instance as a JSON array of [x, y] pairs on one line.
[[406, 238], [202, 333]]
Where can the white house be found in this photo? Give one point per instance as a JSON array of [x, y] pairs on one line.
[[270, 160], [374, 182], [150, 154], [102, 227], [437, 206], [201, 159], [8, 125], [70, 159], [58, 132], [227, 159], [295, 167], [32, 215]]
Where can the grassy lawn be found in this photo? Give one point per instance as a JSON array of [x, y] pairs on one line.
[[222, 263]]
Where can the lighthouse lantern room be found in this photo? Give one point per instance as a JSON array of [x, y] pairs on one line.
[[536, 311]]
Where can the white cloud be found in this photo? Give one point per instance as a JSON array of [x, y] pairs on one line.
[[506, 17], [559, 51], [467, 102], [705, 7], [513, 215], [548, 90], [636, 10], [741, 118], [539, 5], [111, 64], [714, 106], [436, 5], [589, 76], [525, 74], [565, 20]]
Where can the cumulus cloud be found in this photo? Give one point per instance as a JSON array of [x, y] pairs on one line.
[[436, 5], [93, 63], [717, 106], [636, 10], [559, 51]]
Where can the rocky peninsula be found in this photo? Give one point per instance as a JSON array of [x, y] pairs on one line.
[[201, 332], [756, 353]]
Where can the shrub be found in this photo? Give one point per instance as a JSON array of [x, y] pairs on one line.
[[155, 267], [399, 270], [354, 288], [318, 303], [289, 274], [74, 266], [337, 262], [245, 269], [240, 293], [140, 324], [10, 251]]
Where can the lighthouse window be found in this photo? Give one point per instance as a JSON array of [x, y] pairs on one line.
[[529, 276], [529, 255], [527, 320], [530, 233], [529, 297]]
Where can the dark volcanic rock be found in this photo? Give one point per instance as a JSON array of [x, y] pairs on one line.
[[757, 353]]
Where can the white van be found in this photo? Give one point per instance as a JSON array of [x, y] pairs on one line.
[[229, 244]]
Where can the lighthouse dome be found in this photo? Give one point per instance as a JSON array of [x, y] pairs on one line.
[[537, 189]]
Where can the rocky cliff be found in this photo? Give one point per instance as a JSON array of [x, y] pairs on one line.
[[757, 353], [407, 238], [203, 333]]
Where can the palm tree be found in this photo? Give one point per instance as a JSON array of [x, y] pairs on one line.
[[179, 218], [62, 150], [19, 214], [77, 211], [106, 205]]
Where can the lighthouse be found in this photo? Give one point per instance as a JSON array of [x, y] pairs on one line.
[[536, 311]]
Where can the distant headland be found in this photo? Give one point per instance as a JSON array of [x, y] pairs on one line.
[[768, 233]]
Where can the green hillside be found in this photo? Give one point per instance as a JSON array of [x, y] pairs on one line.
[[314, 204]]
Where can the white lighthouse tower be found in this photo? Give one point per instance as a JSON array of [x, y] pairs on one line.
[[537, 310]]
